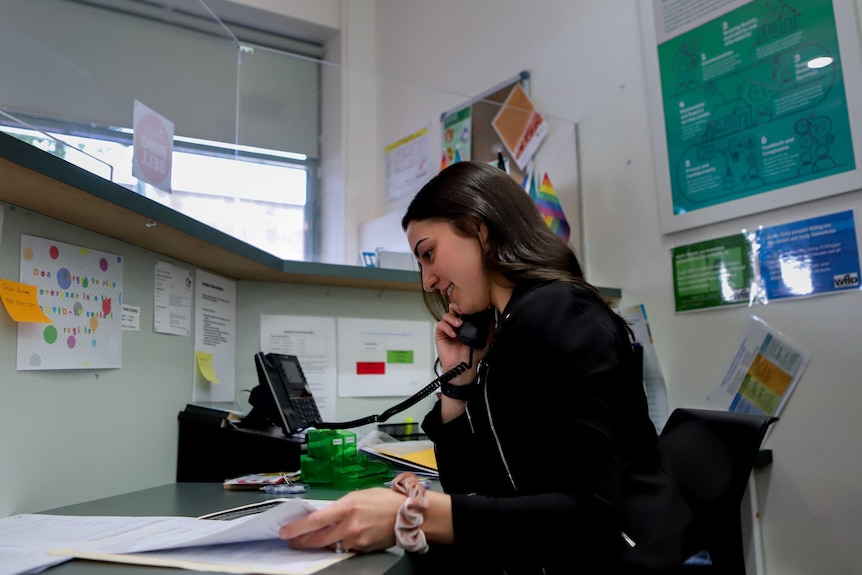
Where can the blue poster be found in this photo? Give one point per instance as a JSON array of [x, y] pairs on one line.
[[809, 257]]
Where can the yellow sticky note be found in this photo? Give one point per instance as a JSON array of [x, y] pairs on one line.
[[20, 301], [205, 364]]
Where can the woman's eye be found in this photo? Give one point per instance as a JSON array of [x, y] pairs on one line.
[[426, 255]]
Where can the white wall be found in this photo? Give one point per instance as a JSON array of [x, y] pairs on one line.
[[585, 63], [325, 13]]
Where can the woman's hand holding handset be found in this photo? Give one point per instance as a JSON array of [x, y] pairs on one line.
[[451, 350]]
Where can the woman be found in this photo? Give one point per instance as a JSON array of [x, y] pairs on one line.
[[544, 442]]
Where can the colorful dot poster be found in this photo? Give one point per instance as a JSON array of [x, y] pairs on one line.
[[80, 290]]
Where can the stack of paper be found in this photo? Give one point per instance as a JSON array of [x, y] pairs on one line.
[[248, 544]]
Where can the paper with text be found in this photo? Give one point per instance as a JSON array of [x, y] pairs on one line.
[[312, 340], [247, 544], [215, 338]]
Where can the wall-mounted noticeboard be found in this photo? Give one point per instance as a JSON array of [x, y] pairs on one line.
[[755, 105], [549, 145], [468, 133]]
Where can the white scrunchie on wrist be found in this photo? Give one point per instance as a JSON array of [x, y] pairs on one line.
[[409, 518]]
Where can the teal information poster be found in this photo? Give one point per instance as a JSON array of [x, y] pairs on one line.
[[754, 99], [713, 273]]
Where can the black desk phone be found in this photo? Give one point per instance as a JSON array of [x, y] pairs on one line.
[[285, 379], [283, 397]]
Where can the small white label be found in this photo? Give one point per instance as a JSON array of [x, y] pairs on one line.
[[130, 319]]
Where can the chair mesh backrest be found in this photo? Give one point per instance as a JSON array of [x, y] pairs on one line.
[[710, 455]]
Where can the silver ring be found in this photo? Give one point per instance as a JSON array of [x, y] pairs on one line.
[[338, 547]]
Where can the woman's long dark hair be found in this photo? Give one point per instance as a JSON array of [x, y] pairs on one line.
[[520, 247]]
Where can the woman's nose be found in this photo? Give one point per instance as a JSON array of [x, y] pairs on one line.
[[429, 280]]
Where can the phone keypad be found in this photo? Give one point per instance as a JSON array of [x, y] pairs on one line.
[[307, 410]]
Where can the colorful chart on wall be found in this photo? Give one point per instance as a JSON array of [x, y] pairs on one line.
[[754, 103], [80, 290], [763, 372]]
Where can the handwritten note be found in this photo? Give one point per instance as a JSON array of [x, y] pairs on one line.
[[20, 301]]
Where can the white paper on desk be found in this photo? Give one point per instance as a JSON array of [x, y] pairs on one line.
[[24, 561], [176, 532], [26, 539], [270, 557]]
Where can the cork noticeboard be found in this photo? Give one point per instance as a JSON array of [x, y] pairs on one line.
[[484, 141]]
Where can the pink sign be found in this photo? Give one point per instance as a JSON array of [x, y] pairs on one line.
[[153, 148]]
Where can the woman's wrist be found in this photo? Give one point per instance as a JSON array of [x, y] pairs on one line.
[[423, 516], [410, 516], [461, 392], [465, 378], [438, 518]]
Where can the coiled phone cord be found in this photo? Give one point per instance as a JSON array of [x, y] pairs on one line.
[[412, 400]]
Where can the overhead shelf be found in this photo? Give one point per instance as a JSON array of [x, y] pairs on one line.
[[36, 180], [41, 182]]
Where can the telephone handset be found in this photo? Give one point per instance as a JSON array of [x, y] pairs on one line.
[[474, 330], [294, 403]]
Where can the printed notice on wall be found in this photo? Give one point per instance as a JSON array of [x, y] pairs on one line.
[[130, 318], [383, 357], [215, 337], [809, 257], [80, 290], [763, 373], [312, 340], [713, 273], [408, 165], [172, 299]]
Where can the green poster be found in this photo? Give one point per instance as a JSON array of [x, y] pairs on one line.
[[713, 273], [457, 136], [747, 109]]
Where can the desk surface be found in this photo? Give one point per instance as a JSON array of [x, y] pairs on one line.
[[193, 500]]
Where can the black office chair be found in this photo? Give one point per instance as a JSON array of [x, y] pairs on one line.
[[710, 455]]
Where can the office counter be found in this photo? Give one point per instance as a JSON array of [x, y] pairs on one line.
[[193, 500]]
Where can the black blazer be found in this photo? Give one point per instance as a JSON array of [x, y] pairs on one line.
[[554, 458]]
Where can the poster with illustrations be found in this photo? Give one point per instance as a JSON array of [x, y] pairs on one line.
[[80, 291], [754, 105]]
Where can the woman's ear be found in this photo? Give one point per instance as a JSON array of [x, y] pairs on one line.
[[483, 232]]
